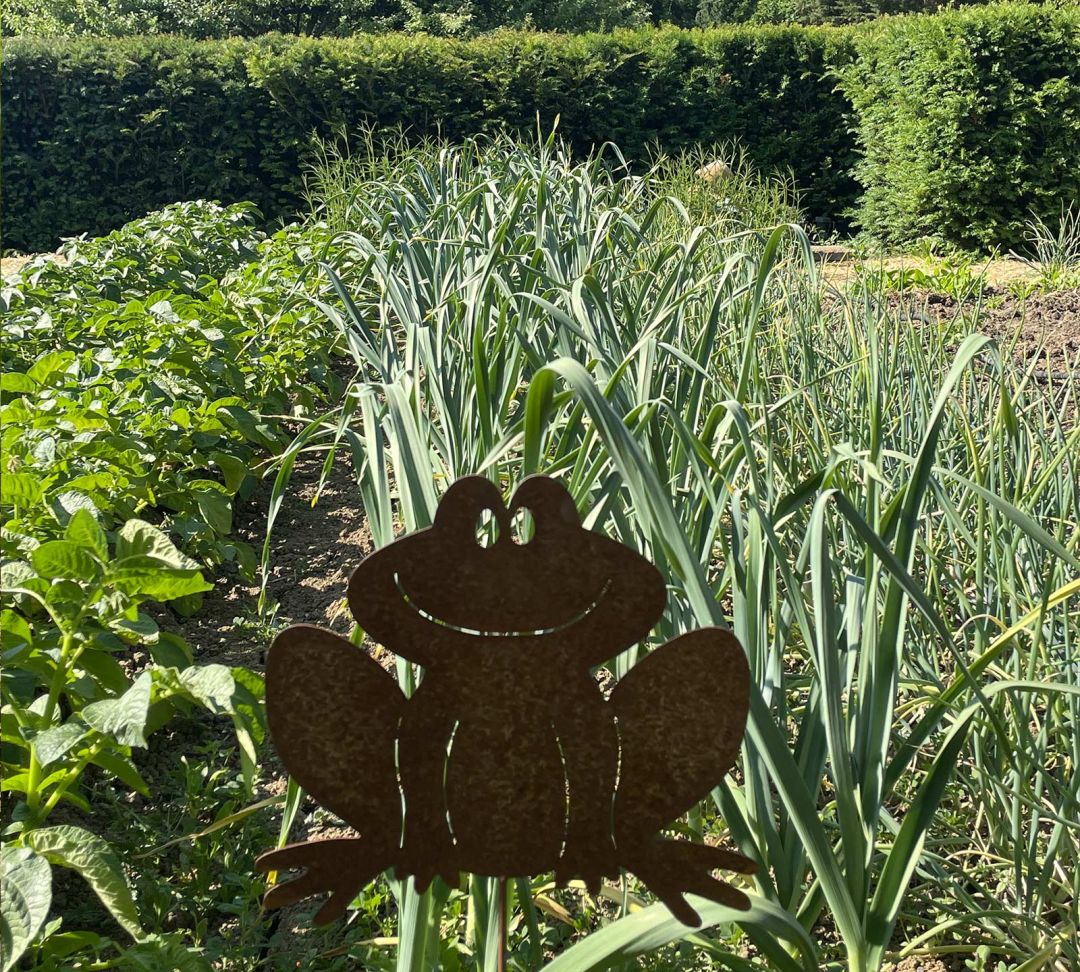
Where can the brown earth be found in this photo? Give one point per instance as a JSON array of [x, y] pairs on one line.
[[1047, 325], [919, 965], [319, 537], [10, 264], [1043, 326], [839, 265]]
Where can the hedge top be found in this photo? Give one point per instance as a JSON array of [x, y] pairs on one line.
[[97, 131]]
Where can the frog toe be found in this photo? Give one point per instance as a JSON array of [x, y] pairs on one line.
[[338, 867], [673, 868]]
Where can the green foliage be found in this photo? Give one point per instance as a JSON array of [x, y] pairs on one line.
[[1054, 251], [968, 121], [198, 18], [120, 403], [143, 378], [252, 18], [863, 502], [51, 18], [712, 12], [885, 514], [97, 132], [448, 18]]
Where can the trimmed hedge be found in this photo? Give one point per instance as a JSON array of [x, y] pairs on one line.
[[968, 121], [98, 131]]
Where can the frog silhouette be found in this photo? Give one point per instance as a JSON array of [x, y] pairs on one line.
[[507, 760]]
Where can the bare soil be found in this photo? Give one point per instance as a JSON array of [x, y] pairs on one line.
[[919, 965], [1048, 326], [839, 265], [319, 537], [10, 264]]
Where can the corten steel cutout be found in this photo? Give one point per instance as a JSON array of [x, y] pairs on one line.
[[507, 760]]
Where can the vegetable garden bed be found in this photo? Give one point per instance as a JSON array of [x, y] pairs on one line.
[[880, 502]]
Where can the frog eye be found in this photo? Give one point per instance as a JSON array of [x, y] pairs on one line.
[[522, 526], [466, 509], [549, 507], [486, 529]]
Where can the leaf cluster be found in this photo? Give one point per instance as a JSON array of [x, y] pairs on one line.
[[168, 118], [968, 123], [145, 377]]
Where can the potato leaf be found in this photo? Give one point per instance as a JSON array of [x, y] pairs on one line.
[[210, 685], [63, 558], [15, 382], [85, 530], [20, 489], [145, 579], [92, 858], [54, 743], [137, 538], [124, 719], [25, 896]]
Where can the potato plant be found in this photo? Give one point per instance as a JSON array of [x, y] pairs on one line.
[[145, 377]]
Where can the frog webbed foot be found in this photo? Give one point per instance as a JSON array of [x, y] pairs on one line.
[[425, 855], [673, 868], [589, 858], [340, 867]]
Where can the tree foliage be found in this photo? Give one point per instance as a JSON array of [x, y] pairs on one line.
[[450, 18]]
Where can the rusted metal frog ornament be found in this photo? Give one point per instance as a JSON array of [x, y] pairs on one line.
[[507, 760]]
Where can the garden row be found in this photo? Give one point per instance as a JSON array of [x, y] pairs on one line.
[[884, 515], [142, 384], [956, 125]]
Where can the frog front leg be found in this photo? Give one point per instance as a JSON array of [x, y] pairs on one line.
[[332, 714], [339, 867], [681, 715], [424, 738], [584, 724]]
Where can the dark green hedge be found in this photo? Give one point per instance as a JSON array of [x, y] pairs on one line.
[[98, 131], [968, 121]]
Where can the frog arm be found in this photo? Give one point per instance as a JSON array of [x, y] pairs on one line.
[[589, 743], [423, 741], [332, 713]]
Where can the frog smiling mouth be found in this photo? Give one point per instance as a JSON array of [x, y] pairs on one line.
[[410, 601]]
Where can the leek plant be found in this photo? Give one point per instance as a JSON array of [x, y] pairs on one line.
[[884, 514]]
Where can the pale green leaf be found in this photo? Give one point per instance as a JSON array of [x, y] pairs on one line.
[[123, 719], [63, 558], [92, 858], [210, 685], [25, 896], [20, 489], [54, 743], [85, 530], [137, 538]]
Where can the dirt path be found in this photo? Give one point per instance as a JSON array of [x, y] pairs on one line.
[[839, 265], [1043, 331], [10, 264], [313, 551]]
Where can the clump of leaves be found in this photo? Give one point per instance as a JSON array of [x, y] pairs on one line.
[[146, 376], [1055, 251]]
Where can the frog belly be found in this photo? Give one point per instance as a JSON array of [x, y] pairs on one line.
[[506, 796]]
